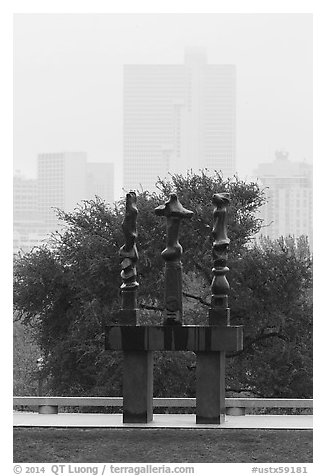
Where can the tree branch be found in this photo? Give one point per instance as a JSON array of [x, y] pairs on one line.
[[250, 342], [198, 298], [151, 308]]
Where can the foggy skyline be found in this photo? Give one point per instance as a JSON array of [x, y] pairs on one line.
[[68, 80]]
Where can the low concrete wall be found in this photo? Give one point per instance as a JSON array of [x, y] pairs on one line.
[[234, 406]]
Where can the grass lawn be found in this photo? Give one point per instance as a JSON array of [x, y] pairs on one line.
[[47, 445]]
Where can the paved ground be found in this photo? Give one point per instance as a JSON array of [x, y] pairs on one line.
[[96, 420]]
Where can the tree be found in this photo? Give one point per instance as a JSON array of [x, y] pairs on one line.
[[25, 356], [68, 288], [272, 298]]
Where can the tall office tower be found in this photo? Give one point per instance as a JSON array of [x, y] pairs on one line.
[[28, 229], [100, 181], [288, 210], [62, 183], [178, 117], [25, 202]]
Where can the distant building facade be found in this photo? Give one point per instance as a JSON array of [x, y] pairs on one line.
[[178, 117], [28, 228], [66, 178], [63, 180], [289, 194], [100, 181]]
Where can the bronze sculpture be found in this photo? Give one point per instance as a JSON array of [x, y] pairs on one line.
[[220, 313], [129, 254], [174, 213], [210, 342]]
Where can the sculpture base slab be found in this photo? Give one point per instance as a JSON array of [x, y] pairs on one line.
[[191, 338], [208, 342]]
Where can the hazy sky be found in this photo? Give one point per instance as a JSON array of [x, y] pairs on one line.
[[68, 79]]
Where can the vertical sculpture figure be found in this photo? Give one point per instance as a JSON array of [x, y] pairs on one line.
[[137, 364], [210, 367], [174, 213], [220, 313], [129, 254]]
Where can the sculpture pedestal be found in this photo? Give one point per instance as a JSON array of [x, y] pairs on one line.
[[208, 342], [210, 387], [137, 386]]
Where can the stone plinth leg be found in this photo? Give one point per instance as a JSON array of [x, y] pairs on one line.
[[210, 387], [138, 387]]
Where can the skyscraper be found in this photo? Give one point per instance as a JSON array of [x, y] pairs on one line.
[[64, 180], [25, 202], [100, 181], [62, 183], [288, 184], [28, 228], [178, 117]]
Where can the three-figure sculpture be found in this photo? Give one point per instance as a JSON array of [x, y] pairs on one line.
[[210, 342]]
